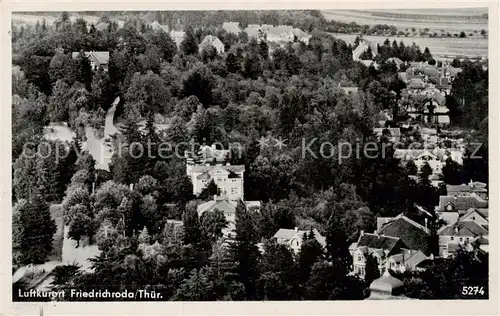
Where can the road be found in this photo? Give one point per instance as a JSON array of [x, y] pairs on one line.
[[97, 147]]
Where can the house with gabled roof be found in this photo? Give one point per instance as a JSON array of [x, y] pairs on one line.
[[295, 237], [280, 34], [213, 41], [461, 204], [158, 27], [480, 216], [468, 189], [379, 246], [228, 178], [228, 207], [97, 59], [414, 235], [406, 260], [460, 234], [232, 27]]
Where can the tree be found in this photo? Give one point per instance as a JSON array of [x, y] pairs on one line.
[[310, 252], [62, 67], [83, 70], [147, 185], [144, 237], [192, 227], [209, 191], [212, 224], [147, 93], [452, 172], [164, 42], [462, 34], [81, 223], [199, 83], [32, 231], [233, 62], [189, 44], [198, 287], [337, 248], [425, 173], [328, 283], [372, 271], [101, 89], [411, 168], [244, 250]]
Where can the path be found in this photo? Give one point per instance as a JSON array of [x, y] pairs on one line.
[[100, 148]]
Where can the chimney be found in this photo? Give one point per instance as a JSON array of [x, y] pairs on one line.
[[425, 221], [456, 230], [131, 186], [296, 229], [432, 256], [362, 233], [215, 197]]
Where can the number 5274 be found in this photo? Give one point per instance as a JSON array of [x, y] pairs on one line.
[[472, 290]]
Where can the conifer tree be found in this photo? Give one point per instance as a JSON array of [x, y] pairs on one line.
[[33, 230], [245, 251]]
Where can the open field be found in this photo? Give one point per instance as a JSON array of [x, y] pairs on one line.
[[49, 18], [439, 47], [449, 20]]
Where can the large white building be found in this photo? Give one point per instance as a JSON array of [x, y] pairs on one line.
[[211, 164], [229, 179]]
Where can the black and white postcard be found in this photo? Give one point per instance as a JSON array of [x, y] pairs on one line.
[[284, 154]]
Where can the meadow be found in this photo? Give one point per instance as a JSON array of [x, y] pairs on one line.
[[439, 47], [449, 20]]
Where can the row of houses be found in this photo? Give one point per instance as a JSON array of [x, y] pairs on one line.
[[429, 85], [464, 214]]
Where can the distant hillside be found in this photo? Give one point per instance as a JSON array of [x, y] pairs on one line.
[[449, 20]]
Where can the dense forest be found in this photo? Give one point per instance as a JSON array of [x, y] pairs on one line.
[[247, 93]]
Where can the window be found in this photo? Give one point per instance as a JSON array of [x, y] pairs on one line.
[[461, 239], [473, 218], [359, 258], [467, 240], [233, 190], [451, 238]]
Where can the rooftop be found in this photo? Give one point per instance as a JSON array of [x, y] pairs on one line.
[[377, 241], [464, 228], [287, 234], [462, 202]]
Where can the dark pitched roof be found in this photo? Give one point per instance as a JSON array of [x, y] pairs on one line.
[[462, 202], [233, 175], [377, 241], [464, 188], [464, 228], [411, 233], [481, 212]]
